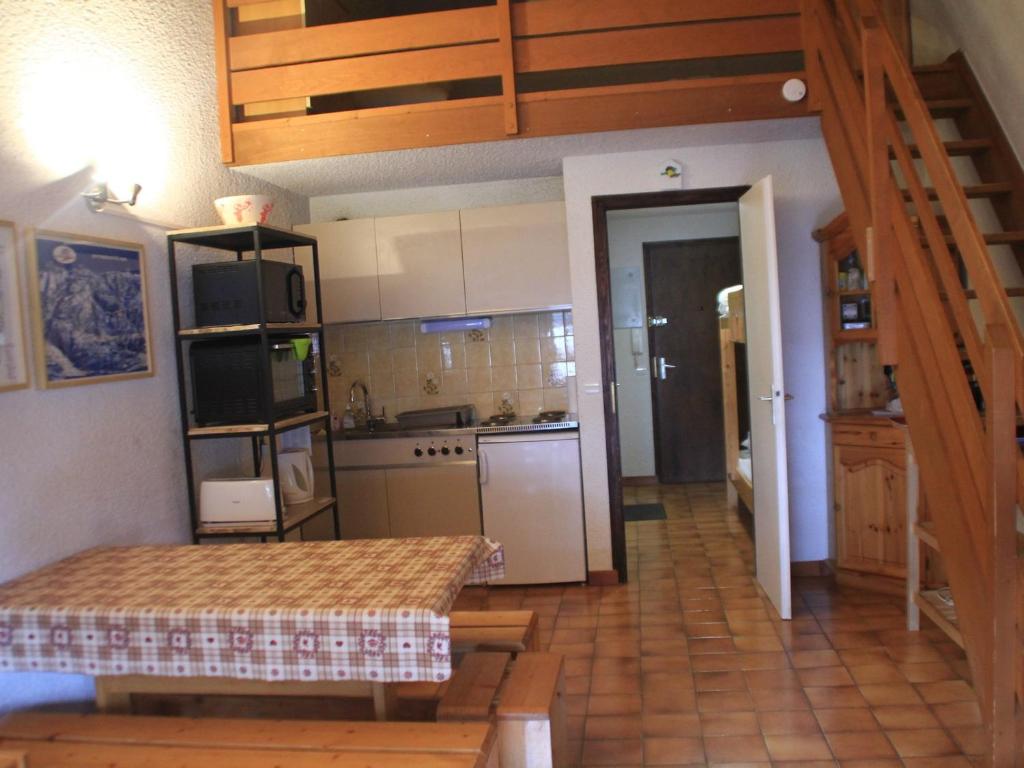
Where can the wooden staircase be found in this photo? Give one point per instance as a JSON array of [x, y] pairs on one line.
[[935, 197]]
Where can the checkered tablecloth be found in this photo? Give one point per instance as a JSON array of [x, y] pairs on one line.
[[372, 610]]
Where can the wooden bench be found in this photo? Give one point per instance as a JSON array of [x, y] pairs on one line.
[[512, 631], [473, 688], [87, 741], [12, 760], [531, 713]]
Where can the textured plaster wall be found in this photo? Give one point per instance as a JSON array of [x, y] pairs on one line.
[[988, 32], [128, 86], [806, 197], [627, 233]]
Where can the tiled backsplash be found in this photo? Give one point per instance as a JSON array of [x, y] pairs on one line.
[[520, 363]]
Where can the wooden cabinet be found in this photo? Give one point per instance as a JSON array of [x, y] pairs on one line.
[[516, 257], [868, 470], [349, 288], [870, 490], [419, 262], [364, 506]]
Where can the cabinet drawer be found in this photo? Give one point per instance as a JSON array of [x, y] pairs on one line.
[[867, 435]]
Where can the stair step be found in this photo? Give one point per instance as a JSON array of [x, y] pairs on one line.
[[929, 69], [970, 293], [956, 148], [940, 108], [996, 238], [992, 189]]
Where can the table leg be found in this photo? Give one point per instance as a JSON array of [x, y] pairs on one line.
[[112, 698], [385, 701]]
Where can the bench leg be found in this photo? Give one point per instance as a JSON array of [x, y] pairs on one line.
[[385, 701], [112, 698]]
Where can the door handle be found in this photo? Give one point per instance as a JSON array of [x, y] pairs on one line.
[[660, 367], [484, 467], [766, 398]]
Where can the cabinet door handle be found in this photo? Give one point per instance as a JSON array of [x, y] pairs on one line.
[[484, 466]]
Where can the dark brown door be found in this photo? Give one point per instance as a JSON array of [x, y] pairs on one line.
[[683, 280]]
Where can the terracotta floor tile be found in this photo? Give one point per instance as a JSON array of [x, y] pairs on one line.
[[932, 742], [807, 643], [858, 657], [771, 678], [905, 717], [614, 704], [604, 684], [664, 663], [735, 749], [673, 751], [958, 713], [846, 720], [872, 674], [953, 761], [617, 752], [577, 667], [800, 746], [782, 699], [835, 697], [860, 745], [708, 629], [783, 723], [946, 691], [615, 666], [824, 676], [719, 681], [972, 740], [724, 701], [729, 724], [843, 640], [885, 694], [809, 659], [668, 701], [613, 727], [928, 672], [672, 726]]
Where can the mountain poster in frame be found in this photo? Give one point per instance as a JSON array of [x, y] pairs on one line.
[[89, 311]]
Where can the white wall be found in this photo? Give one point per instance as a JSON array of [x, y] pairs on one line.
[[988, 32], [443, 198], [128, 86], [807, 197], [627, 233]]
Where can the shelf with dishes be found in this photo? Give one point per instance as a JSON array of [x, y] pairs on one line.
[[295, 515]]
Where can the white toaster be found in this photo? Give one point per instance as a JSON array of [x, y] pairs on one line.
[[230, 501]]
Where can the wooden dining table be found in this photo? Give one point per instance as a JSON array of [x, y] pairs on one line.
[[332, 618]]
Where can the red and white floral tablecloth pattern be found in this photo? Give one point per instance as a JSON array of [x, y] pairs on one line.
[[373, 610]]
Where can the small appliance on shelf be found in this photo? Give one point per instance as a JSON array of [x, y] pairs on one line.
[[227, 292]]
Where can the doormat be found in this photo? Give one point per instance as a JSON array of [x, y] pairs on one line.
[[639, 512]]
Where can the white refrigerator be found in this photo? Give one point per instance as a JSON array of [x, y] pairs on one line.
[[532, 499]]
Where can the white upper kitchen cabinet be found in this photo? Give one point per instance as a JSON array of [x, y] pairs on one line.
[[516, 257], [419, 259], [349, 287]]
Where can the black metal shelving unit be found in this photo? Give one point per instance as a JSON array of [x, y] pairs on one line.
[[242, 240]]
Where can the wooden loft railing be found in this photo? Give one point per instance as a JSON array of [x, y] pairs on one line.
[[873, 115], [533, 68]]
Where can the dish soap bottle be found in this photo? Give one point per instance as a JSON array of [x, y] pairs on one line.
[[348, 421]]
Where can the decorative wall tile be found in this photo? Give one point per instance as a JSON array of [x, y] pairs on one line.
[[519, 364]]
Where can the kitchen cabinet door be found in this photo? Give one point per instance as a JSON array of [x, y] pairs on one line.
[[516, 257], [870, 487], [349, 287], [363, 501], [413, 500], [419, 260]]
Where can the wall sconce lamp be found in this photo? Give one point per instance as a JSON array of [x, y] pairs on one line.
[[99, 197]]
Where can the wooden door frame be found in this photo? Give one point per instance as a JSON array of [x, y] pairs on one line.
[[650, 331], [600, 206]]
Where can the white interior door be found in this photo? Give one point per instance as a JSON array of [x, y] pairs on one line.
[[767, 394]]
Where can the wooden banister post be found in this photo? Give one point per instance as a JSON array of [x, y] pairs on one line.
[[880, 240], [1001, 422], [812, 62], [221, 35], [508, 66]]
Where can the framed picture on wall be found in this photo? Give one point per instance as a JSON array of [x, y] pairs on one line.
[[89, 312], [13, 351]]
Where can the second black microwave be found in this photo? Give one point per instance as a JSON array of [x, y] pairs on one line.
[[227, 292]]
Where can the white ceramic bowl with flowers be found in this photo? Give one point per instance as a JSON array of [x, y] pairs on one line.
[[240, 210]]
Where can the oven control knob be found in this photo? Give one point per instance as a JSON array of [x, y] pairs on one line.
[[418, 451], [445, 451], [432, 451], [458, 450]]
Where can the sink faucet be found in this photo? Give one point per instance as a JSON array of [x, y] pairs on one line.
[[358, 384]]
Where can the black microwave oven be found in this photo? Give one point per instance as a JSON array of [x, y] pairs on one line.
[[227, 292], [228, 384]]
